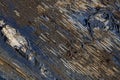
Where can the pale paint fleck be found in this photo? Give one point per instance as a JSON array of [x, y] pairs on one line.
[[2, 23], [17, 13]]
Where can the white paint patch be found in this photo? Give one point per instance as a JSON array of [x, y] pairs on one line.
[[14, 38], [2, 23], [17, 13]]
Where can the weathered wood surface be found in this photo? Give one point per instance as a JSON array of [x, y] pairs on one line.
[[72, 39]]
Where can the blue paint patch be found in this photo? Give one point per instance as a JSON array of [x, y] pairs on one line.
[[116, 60], [80, 17], [28, 32], [2, 78], [43, 27], [11, 21], [10, 4]]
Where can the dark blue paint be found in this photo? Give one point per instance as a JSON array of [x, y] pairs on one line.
[[2, 78], [43, 27], [10, 5], [116, 59]]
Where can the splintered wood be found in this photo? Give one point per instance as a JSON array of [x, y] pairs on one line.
[[66, 39]]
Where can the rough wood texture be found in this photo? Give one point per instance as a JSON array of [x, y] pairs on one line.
[[72, 39]]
